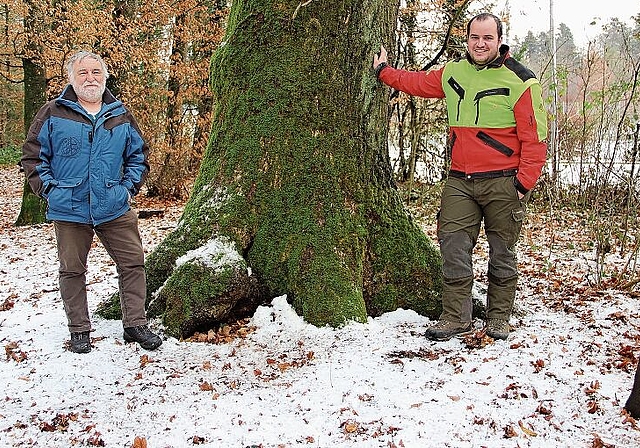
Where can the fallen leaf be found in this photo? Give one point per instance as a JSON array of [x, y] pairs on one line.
[[350, 427], [205, 386], [139, 442], [526, 430], [509, 432]]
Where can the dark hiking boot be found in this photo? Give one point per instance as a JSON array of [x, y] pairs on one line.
[[444, 330], [498, 328], [143, 336], [80, 342]]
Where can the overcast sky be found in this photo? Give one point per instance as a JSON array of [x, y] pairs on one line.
[[533, 15]]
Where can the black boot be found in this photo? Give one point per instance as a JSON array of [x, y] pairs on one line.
[[80, 342], [143, 336], [633, 403]]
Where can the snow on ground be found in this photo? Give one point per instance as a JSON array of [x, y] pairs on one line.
[[560, 380]]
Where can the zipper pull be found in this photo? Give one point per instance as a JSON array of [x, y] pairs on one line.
[[90, 136]]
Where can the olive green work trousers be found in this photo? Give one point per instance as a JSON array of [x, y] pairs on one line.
[[465, 204]]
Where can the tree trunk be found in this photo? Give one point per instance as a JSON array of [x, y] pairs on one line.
[[33, 208], [295, 193]]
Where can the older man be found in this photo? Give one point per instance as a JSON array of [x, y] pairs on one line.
[[85, 155]]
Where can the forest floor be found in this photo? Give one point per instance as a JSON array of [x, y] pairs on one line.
[[560, 380]]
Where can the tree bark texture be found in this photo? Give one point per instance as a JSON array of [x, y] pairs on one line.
[[32, 208], [296, 178]]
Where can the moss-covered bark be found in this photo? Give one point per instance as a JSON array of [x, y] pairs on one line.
[[32, 208], [297, 172]]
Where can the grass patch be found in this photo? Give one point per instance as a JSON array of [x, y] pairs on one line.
[[10, 155]]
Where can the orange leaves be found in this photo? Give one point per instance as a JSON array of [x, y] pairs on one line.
[[350, 426], [144, 360], [591, 391], [544, 410], [130, 37], [139, 442], [207, 387]]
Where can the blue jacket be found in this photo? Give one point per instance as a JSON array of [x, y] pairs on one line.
[[86, 168]]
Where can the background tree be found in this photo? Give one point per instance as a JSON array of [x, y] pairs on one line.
[[33, 208], [188, 99], [136, 39], [429, 34], [295, 194]]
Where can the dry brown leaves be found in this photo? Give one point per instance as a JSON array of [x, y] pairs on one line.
[[225, 333], [62, 422], [423, 353], [144, 360], [11, 183], [8, 303], [598, 443], [13, 352], [477, 339]]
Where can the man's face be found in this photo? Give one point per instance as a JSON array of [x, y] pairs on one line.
[[88, 80], [483, 43]]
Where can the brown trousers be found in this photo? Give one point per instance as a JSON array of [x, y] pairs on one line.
[[465, 204], [121, 239]]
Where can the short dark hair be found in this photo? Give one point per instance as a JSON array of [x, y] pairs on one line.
[[484, 16]]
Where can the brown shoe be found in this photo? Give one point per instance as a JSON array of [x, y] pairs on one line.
[[444, 330], [498, 328]]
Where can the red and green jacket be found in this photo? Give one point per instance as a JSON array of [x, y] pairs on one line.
[[497, 120]]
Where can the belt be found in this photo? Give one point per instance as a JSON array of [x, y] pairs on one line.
[[483, 175]]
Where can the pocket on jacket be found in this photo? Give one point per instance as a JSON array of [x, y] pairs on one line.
[[60, 198], [117, 195], [495, 144]]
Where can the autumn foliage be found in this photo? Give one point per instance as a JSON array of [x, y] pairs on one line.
[[158, 57]]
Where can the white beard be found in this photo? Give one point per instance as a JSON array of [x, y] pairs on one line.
[[89, 93]]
